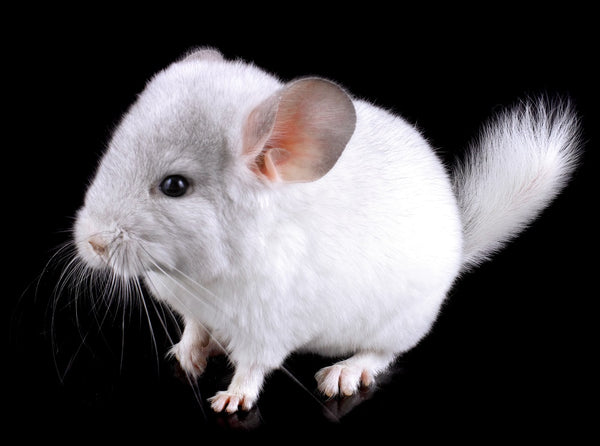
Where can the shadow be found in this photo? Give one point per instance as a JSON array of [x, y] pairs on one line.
[[338, 407], [289, 397], [240, 421]]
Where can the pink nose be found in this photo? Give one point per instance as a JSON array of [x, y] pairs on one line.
[[98, 246]]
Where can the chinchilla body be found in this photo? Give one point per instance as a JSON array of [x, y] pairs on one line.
[[279, 217]]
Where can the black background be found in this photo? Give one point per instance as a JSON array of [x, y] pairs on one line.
[[512, 354]]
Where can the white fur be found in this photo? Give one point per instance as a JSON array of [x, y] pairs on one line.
[[520, 163], [355, 263]]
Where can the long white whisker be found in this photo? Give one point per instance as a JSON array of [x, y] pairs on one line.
[[137, 288], [73, 275], [121, 358], [127, 257], [302, 386], [193, 294], [65, 254], [196, 283], [112, 280], [193, 384], [69, 270], [152, 336], [143, 301], [283, 368], [61, 376], [224, 307], [174, 296]]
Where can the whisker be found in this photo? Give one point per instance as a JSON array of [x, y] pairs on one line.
[[70, 269], [174, 296], [213, 338], [121, 357], [191, 293], [161, 320], [63, 252], [199, 285], [132, 257], [314, 397], [61, 376], [283, 368], [152, 336], [193, 384]]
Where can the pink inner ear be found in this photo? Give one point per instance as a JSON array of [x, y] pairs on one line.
[[268, 162], [278, 155], [298, 134]]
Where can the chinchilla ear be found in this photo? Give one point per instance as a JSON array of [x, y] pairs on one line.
[[202, 53], [298, 134]]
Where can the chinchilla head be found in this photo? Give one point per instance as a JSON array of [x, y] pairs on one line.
[[188, 172]]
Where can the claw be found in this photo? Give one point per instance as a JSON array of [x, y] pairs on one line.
[[230, 402], [342, 379]]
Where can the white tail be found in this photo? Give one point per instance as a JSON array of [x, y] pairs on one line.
[[522, 160]]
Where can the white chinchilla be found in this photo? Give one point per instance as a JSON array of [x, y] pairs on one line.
[[280, 217]]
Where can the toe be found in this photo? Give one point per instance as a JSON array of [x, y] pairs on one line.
[[230, 402], [349, 380], [342, 379], [328, 380], [234, 403], [218, 402], [366, 378]]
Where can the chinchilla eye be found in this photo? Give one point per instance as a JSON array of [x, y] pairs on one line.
[[174, 186]]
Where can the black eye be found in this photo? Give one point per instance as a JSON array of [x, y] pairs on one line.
[[174, 186]]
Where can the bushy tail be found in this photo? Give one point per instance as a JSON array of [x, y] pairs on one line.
[[522, 160]]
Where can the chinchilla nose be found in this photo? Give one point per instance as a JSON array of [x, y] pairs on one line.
[[98, 246]]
